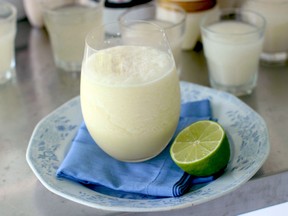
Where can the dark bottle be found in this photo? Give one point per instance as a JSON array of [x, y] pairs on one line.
[[114, 8]]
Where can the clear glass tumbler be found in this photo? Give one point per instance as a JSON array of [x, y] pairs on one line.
[[68, 22], [233, 41]]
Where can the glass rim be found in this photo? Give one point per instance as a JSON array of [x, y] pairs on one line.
[[150, 4], [236, 11], [158, 27], [93, 30], [13, 11], [97, 5], [90, 35]]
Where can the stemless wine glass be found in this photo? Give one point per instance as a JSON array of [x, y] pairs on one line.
[[130, 95]]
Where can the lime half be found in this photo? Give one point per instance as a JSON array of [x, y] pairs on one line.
[[201, 149]]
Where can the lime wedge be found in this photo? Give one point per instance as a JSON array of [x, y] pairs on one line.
[[201, 149]]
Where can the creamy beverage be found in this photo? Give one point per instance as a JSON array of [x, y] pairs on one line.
[[67, 27], [275, 48], [276, 14], [232, 50], [130, 100]]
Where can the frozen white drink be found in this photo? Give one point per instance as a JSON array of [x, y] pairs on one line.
[[130, 100]]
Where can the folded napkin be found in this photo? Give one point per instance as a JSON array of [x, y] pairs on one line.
[[87, 164]]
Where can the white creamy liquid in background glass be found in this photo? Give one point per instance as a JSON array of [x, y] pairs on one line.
[[232, 60], [7, 36], [276, 15], [68, 30], [130, 100]]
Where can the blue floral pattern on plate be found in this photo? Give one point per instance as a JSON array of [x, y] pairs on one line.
[[247, 133]]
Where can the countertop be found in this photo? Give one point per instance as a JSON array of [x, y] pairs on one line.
[[39, 88]]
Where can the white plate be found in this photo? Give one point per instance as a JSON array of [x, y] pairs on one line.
[[246, 131]]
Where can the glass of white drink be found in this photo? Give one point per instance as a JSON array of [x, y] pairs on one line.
[[7, 40], [233, 41], [130, 95], [169, 16], [68, 22], [275, 49]]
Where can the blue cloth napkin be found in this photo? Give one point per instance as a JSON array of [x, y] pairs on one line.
[[86, 163]]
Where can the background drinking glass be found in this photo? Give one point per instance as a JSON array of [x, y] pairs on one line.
[[171, 17], [233, 42], [8, 17], [275, 50], [130, 95], [68, 22]]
